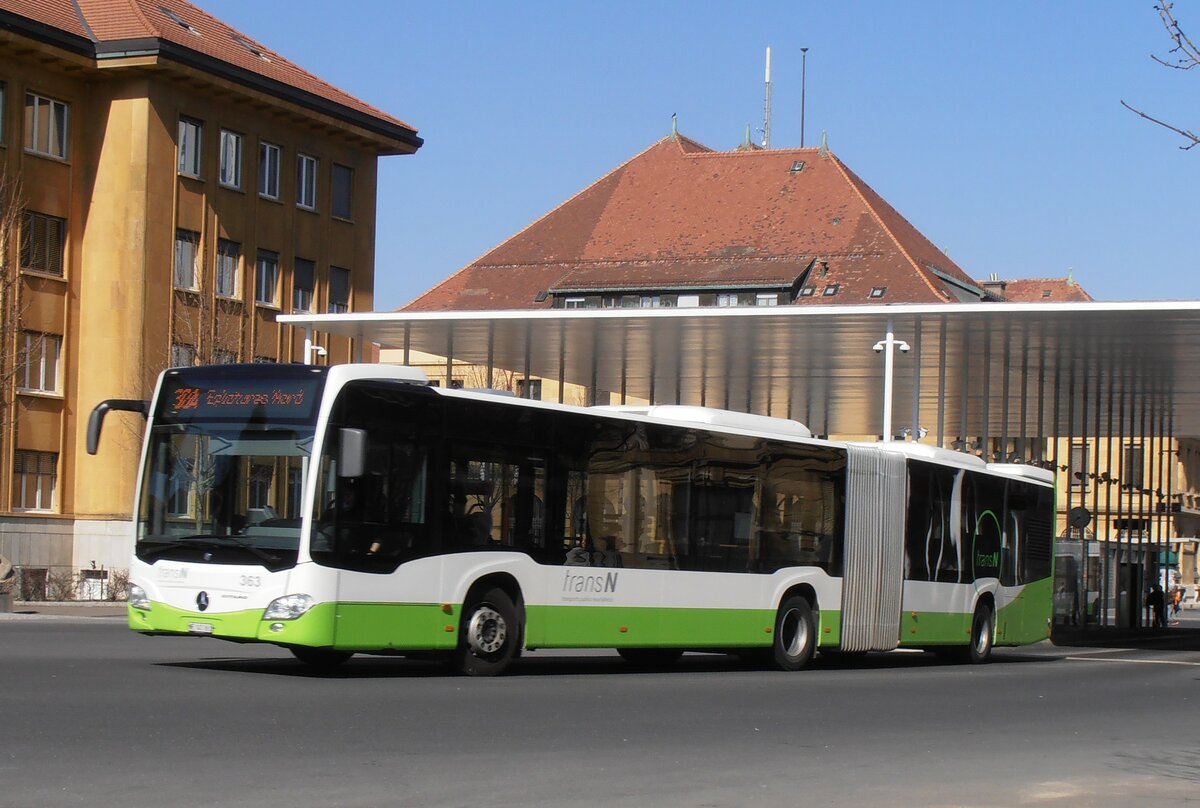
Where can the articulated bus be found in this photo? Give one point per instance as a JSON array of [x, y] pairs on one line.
[[357, 509]]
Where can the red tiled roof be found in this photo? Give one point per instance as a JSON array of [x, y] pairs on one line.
[[680, 215], [104, 22], [1045, 290]]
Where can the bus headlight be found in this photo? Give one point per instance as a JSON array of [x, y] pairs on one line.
[[288, 607], [137, 597]]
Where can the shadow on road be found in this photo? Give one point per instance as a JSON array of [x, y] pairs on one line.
[[1171, 639], [558, 664]]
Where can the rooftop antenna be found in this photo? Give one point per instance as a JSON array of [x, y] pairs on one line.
[[803, 83], [767, 105]]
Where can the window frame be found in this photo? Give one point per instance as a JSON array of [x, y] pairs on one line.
[[27, 253], [307, 167], [270, 166], [185, 236], [297, 273], [20, 479], [29, 341], [337, 196], [340, 306], [223, 255], [182, 356], [264, 259], [33, 126], [238, 141], [189, 148]]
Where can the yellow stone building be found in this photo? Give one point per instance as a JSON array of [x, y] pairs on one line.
[[170, 186]]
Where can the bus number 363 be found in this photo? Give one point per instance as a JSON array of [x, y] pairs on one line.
[[249, 580]]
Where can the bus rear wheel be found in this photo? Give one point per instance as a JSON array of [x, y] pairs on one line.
[[982, 629], [795, 634], [320, 658], [489, 635]]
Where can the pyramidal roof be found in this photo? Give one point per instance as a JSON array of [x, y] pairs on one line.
[[681, 216]]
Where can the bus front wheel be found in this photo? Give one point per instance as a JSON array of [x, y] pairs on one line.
[[489, 635], [795, 634]]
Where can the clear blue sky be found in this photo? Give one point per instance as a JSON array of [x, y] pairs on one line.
[[995, 128]]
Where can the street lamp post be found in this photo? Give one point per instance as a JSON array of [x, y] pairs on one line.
[[887, 347]]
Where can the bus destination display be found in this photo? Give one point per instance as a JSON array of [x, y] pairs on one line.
[[188, 399]]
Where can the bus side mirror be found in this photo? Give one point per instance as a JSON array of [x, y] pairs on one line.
[[96, 419], [352, 452]]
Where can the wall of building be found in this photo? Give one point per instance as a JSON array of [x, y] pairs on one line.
[[116, 304]]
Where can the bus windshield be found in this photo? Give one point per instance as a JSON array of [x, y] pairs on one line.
[[226, 460], [221, 495]]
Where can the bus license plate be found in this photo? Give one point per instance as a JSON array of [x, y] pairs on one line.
[[200, 628]]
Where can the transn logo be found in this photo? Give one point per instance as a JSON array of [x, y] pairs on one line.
[[187, 398]]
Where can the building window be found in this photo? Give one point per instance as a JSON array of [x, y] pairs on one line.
[[808, 291], [266, 281], [339, 290], [268, 169], [189, 147], [224, 357], [1133, 472], [688, 301], [573, 303], [47, 126], [303, 281], [229, 259], [342, 188], [650, 301], [42, 240], [530, 388], [763, 299], [830, 290], [306, 182], [1079, 467], [878, 291], [231, 159], [38, 363], [35, 480], [727, 299], [187, 259], [182, 356]]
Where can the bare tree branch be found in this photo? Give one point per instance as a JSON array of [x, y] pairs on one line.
[[1192, 136], [1186, 56]]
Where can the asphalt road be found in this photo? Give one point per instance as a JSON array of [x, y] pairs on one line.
[[91, 714]]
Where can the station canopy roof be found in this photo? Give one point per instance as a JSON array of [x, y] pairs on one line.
[[977, 369]]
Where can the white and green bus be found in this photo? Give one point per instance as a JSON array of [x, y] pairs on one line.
[[358, 509]]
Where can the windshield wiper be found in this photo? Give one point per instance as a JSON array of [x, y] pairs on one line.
[[214, 542]]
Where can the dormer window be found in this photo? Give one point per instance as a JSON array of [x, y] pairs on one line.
[[180, 21], [250, 46]]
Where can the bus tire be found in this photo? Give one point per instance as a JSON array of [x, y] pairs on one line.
[[795, 634], [320, 658], [489, 635], [983, 626], [650, 658]]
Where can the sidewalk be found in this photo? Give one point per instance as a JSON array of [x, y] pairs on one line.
[[81, 608]]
